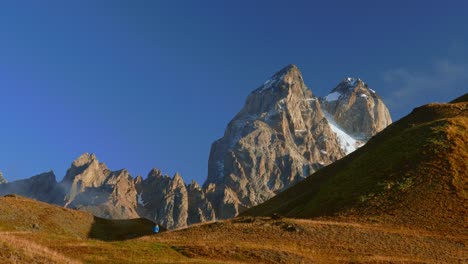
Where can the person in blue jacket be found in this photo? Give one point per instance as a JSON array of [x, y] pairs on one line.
[[156, 229]]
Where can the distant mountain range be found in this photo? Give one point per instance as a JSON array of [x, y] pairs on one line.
[[283, 134]]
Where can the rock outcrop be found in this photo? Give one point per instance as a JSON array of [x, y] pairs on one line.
[[89, 185], [170, 202], [200, 209], [85, 173], [283, 134]]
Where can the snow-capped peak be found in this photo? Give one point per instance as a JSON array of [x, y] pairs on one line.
[[285, 75], [351, 82], [348, 85], [270, 82]]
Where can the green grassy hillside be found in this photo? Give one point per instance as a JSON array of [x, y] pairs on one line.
[[414, 172]]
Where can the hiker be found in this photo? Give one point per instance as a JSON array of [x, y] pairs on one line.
[[156, 229]]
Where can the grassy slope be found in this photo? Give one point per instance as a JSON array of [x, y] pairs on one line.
[[63, 237], [21, 214], [37, 232], [263, 240], [414, 172]]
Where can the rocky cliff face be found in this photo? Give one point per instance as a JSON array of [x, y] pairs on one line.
[[89, 185], [170, 202], [164, 199], [283, 134]]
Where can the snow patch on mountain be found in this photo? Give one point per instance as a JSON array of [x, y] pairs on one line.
[[333, 96], [268, 84], [347, 143], [140, 200]]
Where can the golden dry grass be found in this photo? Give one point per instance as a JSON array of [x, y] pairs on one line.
[[15, 249], [241, 240], [264, 240], [249, 240]]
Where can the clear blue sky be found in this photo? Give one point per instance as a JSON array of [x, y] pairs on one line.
[[153, 83]]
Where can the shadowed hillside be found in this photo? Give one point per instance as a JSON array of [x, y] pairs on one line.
[[412, 173]]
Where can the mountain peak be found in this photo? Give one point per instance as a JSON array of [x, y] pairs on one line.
[[46, 177], [154, 173], [194, 185], [349, 83], [177, 177], [356, 108], [288, 69], [85, 158], [348, 86], [286, 75]]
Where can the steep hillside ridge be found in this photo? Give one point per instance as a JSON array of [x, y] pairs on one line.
[[282, 135], [414, 172]]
